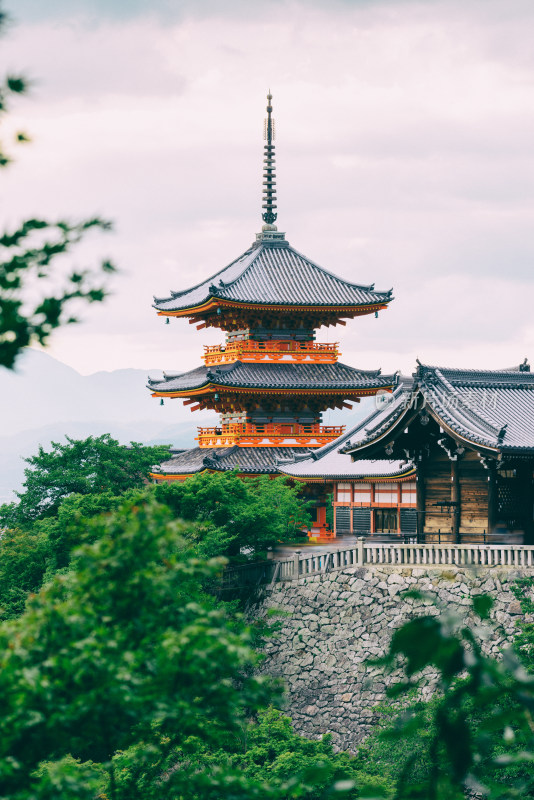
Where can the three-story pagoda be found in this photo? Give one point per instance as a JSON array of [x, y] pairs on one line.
[[270, 380]]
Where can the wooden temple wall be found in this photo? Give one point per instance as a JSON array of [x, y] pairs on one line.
[[473, 496], [437, 481]]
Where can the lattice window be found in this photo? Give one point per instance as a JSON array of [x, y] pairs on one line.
[[362, 493], [386, 493], [408, 493], [344, 494], [342, 520]]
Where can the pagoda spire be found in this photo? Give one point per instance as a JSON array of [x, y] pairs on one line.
[[269, 170]]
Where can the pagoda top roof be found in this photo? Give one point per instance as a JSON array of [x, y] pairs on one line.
[[276, 376], [273, 273], [487, 409]]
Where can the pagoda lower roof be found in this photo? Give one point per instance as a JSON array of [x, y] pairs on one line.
[[297, 377], [250, 460], [273, 273]]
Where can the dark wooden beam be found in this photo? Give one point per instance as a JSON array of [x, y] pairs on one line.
[[493, 507], [455, 498], [420, 497]]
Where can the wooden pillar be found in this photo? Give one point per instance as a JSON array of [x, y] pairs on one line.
[[524, 476], [455, 498], [529, 531], [493, 505], [420, 497]]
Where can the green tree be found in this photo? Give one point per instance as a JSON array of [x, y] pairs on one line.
[[81, 466], [228, 513], [476, 736], [125, 652], [24, 558], [263, 759], [30, 254]]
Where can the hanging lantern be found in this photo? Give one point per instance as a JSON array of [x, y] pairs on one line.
[[161, 402]]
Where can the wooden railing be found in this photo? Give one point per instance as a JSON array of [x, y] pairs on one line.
[[271, 351], [269, 435]]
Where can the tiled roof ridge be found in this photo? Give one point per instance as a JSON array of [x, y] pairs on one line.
[[522, 370], [394, 414], [340, 441]]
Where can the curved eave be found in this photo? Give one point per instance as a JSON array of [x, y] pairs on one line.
[[398, 422], [212, 303], [175, 476], [461, 438], [406, 418], [403, 476], [211, 388]]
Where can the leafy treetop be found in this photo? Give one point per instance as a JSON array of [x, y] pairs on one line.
[[80, 466], [230, 514]]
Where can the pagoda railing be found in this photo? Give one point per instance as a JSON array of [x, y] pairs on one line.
[[271, 351], [268, 435]]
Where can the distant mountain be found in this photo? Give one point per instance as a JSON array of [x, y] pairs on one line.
[[44, 391], [45, 400], [15, 448]]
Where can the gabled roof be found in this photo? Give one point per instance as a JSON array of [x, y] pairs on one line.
[[492, 409], [275, 376], [273, 273], [253, 460]]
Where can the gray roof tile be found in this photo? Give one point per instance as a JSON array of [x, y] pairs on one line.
[[279, 376], [275, 275], [490, 408], [261, 460]]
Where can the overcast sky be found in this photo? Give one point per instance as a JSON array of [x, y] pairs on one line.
[[405, 135]]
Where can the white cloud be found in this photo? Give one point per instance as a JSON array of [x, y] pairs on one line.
[[404, 156]]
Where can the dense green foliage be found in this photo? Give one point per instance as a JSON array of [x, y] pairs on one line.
[[476, 734], [126, 650], [229, 514], [124, 678], [80, 466], [81, 479]]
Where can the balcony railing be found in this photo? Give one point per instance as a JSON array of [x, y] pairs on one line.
[[271, 351], [269, 435]]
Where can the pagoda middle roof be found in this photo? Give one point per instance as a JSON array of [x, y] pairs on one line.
[[275, 376], [273, 273]]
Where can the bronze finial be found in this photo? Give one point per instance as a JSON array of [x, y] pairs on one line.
[[269, 174]]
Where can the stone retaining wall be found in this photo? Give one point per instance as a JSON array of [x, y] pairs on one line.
[[334, 623]]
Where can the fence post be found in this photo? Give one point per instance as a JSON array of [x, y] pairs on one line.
[[361, 551], [296, 562]]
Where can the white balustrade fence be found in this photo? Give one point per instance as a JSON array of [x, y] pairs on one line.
[[367, 554]]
